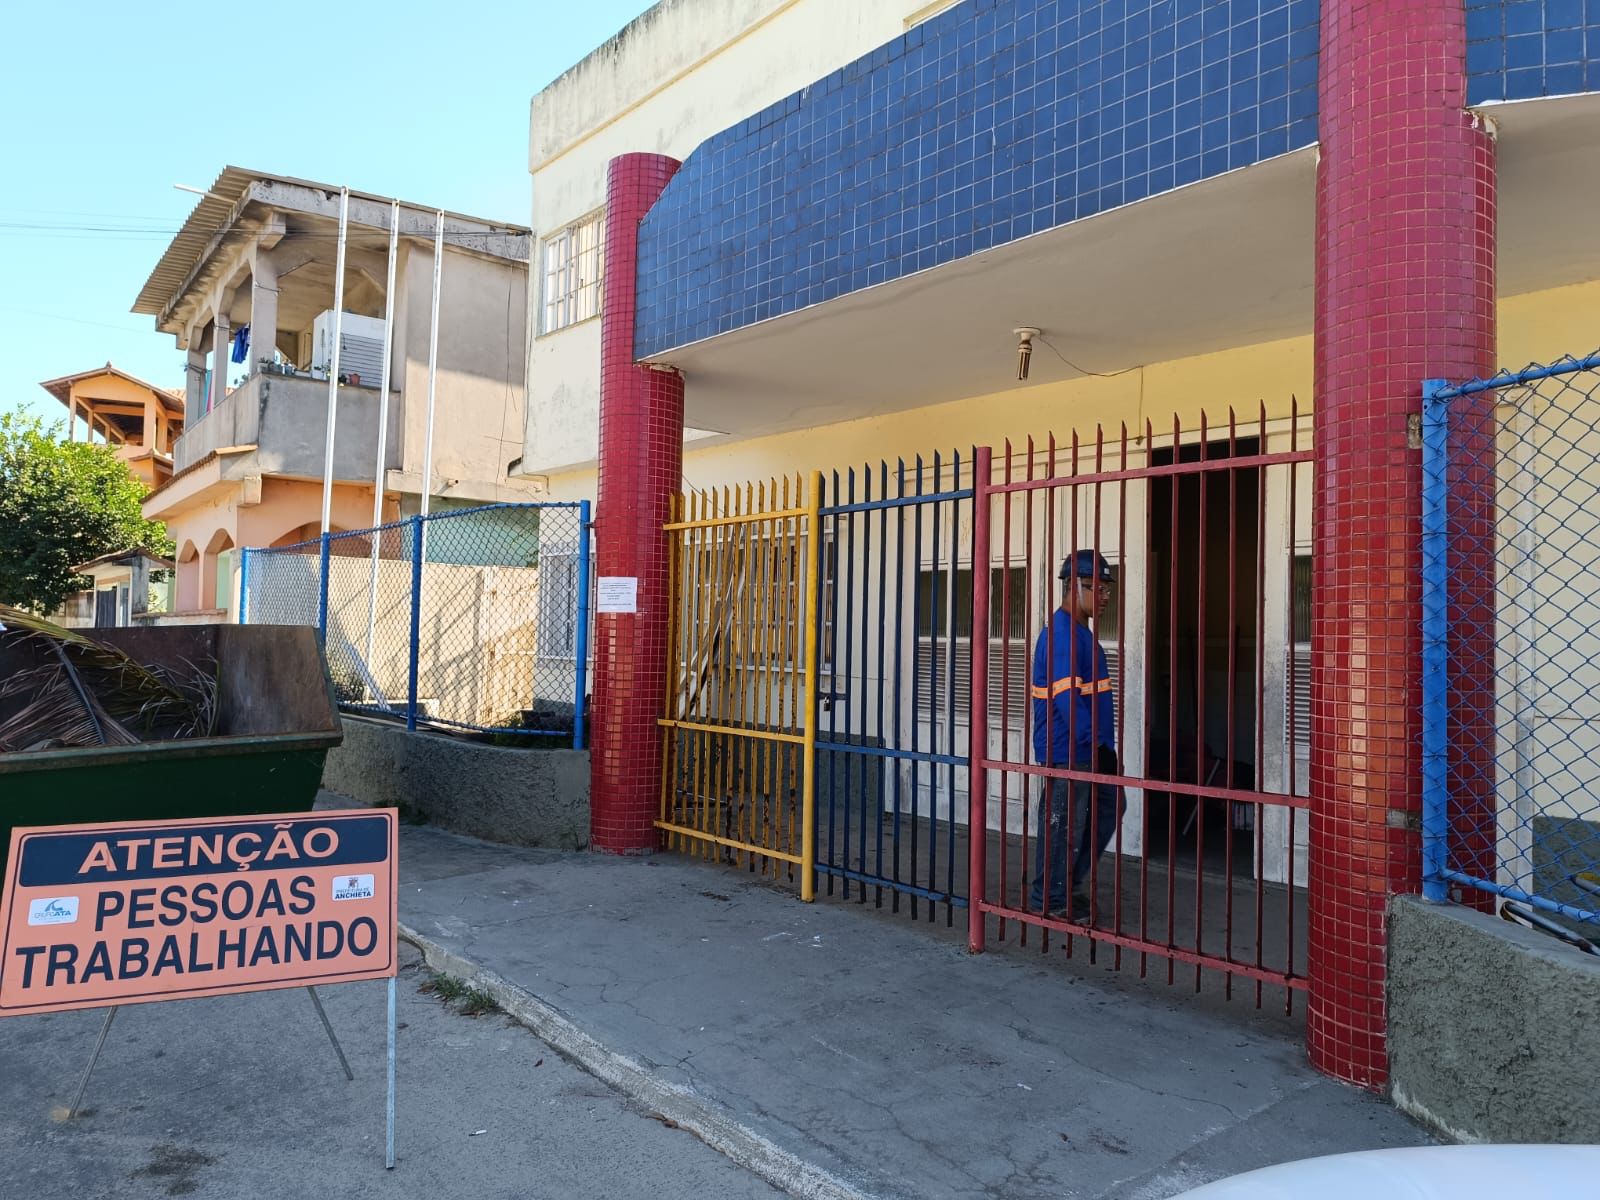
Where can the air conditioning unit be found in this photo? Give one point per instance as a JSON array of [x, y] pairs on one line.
[[360, 347]]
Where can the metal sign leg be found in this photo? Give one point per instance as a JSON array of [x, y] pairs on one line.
[[99, 1045], [337, 1049], [388, 1159]]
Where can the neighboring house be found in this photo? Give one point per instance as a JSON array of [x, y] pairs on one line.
[[140, 422], [247, 290], [130, 587], [139, 419]]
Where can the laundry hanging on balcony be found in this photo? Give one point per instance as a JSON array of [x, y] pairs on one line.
[[241, 344]]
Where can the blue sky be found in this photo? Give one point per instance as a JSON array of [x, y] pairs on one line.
[[105, 105]]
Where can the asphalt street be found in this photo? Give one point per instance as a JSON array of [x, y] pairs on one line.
[[242, 1096]]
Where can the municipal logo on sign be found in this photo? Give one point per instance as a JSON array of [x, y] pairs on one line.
[[58, 910], [352, 887]]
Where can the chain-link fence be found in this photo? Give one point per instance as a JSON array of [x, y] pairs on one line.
[[1511, 641], [473, 619]]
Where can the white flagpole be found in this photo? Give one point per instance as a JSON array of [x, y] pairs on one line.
[[333, 365], [378, 470], [433, 361]]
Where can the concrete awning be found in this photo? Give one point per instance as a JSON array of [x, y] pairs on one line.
[[1224, 263]]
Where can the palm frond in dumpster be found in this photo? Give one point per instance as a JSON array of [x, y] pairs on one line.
[[59, 712], [87, 693]]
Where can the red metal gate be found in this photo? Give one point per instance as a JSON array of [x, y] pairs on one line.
[[1206, 636]]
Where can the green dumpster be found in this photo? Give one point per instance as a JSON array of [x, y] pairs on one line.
[[276, 720]]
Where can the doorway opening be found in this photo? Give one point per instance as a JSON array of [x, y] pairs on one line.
[[1203, 703]]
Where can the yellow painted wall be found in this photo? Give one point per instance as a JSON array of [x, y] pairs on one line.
[[1542, 326]]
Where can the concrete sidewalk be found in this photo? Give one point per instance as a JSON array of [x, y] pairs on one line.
[[842, 1053]]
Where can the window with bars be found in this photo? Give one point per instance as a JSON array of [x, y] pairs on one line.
[[762, 613], [1010, 640], [1297, 687], [573, 261], [775, 597], [558, 601], [944, 610]]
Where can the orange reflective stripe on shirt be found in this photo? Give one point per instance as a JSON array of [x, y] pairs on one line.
[[1089, 687], [1071, 683]]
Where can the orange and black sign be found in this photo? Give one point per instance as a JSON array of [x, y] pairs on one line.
[[157, 910]]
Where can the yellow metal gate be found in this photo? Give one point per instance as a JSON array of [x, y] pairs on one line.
[[739, 734]]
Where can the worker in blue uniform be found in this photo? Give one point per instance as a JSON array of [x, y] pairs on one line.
[[1074, 726]]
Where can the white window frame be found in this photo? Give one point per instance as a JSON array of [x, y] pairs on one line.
[[1297, 665], [558, 617], [572, 268], [932, 643]]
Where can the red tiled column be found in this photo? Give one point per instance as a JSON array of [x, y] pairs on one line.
[[641, 464], [1404, 291]]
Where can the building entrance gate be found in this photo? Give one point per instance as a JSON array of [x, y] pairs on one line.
[[851, 692]]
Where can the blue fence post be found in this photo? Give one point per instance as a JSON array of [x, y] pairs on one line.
[[416, 622], [244, 586], [1435, 642], [322, 593], [582, 649]]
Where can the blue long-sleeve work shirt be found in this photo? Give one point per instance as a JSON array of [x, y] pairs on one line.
[[1073, 708]]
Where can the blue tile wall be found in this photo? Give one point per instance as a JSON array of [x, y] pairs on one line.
[[992, 121], [1524, 49]]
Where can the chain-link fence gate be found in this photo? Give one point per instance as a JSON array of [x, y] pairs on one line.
[[474, 619], [1511, 641]]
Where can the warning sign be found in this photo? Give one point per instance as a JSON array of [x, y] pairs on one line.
[[156, 910]]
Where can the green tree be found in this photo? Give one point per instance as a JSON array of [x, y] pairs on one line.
[[61, 504]]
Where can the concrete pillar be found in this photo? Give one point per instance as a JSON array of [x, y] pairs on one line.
[[207, 580], [1405, 290], [263, 309], [641, 465], [188, 585], [194, 382], [219, 360], [139, 589]]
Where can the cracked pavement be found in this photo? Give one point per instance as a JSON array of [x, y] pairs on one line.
[[877, 1049]]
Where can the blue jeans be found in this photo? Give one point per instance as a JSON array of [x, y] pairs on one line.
[[1091, 836]]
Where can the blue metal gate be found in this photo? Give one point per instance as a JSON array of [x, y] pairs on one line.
[[895, 625]]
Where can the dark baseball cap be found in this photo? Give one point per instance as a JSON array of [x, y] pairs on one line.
[[1087, 564]]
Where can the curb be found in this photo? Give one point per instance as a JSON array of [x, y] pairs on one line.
[[757, 1154]]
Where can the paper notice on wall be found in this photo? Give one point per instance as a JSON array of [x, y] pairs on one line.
[[617, 594]]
